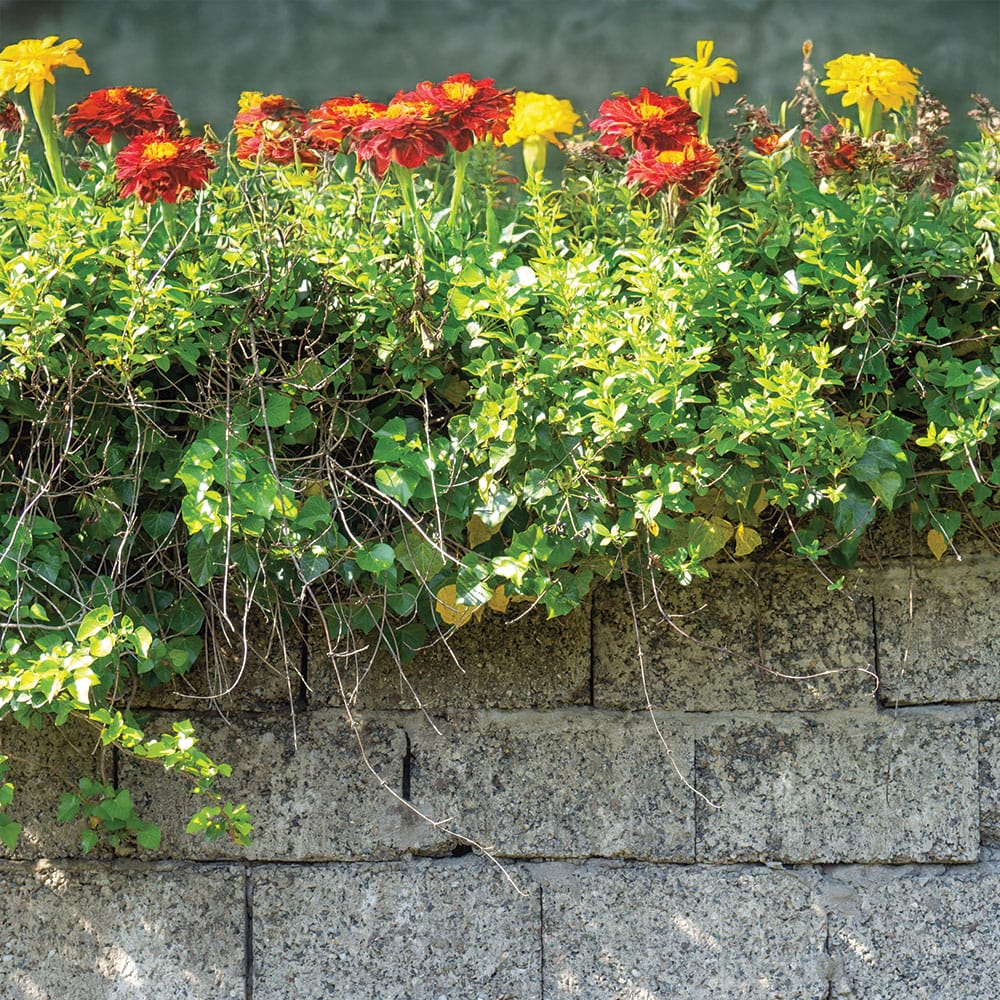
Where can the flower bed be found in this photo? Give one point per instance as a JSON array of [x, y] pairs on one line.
[[354, 362]]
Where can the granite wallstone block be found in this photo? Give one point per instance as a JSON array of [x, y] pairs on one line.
[[949, 650], [782, 642], [452, 929], [517, 660], [836, 787], [574, 783], [44, 763], [989, 773], [639, 932], [926, 933], [81, 931], [307, 789]]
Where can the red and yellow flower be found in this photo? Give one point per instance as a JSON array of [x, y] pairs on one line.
[[689, 169], [407, 132], [156, 166], [338, 119], [124, 111], [647, 121], [472, 109]]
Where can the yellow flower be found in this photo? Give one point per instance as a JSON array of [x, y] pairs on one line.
[[698, 80], [866, 79], [29, 63], [534, 121], [539, 116]]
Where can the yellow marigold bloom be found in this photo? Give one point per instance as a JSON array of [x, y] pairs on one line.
[[698, 80], [29, 63], [863, 80], [535, 120], [539, 116]]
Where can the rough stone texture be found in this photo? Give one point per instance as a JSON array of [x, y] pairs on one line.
[[915, 933], [204, 53], [442, 930], [647, 932], [831, 788], [950, 649], [781, 643], [559, 784], [44, 763], [121, 932], [256, 668], [989, 774], [310, 800], [519, 660]]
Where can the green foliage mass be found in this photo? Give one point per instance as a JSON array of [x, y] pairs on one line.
[[317, 401]]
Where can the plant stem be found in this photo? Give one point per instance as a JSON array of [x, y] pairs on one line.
[[44, 108]]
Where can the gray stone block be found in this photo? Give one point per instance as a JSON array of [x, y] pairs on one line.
[[248, 666], [639, 932], [836, 787], [989, 773], [949, 650], [77, 931], [44, 763], [567, 784], [915, 933], [782, 642], [516, 660], [443, 930], [308, 790]]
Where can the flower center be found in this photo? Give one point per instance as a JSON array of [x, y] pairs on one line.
[[459, 91], [117, 95], [647, 111], [156, 152]]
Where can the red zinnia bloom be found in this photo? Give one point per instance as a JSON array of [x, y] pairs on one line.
[[407, 132], [649, 121], [126, 111], [10, 117], [689, 169], [337, 119], [155, 165], [473, 109]]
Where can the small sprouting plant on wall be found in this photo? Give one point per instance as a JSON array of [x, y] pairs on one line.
[[356, 362]]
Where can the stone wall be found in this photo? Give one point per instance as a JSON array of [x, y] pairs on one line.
[[812, 810], [203, 53]]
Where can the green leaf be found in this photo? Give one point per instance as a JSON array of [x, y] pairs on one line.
[[96, 620], [69, 807], [277, 409], [149, 837], [375, 559], [9, 833]]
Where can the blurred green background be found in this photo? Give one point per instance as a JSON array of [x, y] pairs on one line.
[[203, 53]]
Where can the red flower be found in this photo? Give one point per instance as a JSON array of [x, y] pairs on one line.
[[338, 119], [407, 132], [155, 165], [832, 152], [472, 109], [649, 121], [10, 117], [690, 169], [126, 111]]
